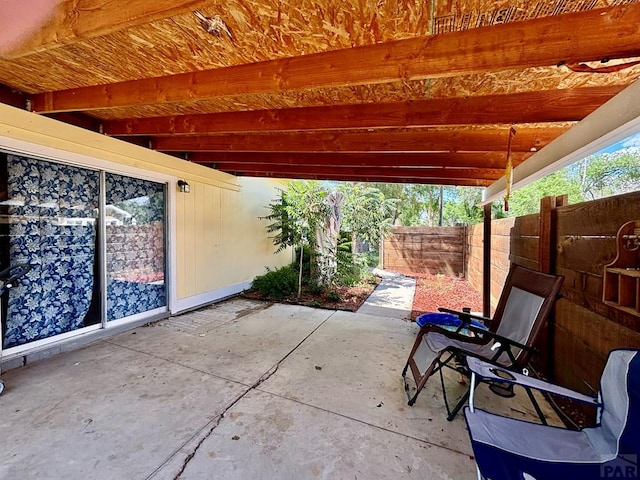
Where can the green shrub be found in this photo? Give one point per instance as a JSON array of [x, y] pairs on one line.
[[277, 283], [352, 269], [315, 289], [333, 296], [372, 259]]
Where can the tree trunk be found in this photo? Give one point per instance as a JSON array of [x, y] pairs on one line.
[[326, 238], [300, 270]]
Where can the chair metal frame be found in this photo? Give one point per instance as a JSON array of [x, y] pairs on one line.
[[505, 351], [512, 452]]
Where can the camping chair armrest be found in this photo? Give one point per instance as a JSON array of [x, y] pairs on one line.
[[465, 316], [505, 342], [485, 371]]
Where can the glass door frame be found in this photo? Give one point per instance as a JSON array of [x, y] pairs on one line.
[[169, 182]]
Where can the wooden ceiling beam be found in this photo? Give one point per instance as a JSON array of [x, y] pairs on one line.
[[38, 26], [12, 97], [457, 140], [411, 159], [342, 177], [554, 40], [529, 107], [435, 172], [78, 119]]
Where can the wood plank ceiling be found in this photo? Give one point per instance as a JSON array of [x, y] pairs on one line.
[[420, 91]]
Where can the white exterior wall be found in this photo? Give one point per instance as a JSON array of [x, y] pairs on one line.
[[217, 243]]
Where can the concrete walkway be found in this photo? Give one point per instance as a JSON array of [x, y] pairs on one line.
[[392, 298], [238, 390]]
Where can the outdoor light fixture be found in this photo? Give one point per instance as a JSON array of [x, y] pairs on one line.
[[184, 186]]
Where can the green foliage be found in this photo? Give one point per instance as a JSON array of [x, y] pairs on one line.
[[333, 296], [352, 268], [367, 214], [296, 213], [609, 174], [594, 177], [526, 200], [280, 225], [415, 204], [276, 284], [315, 289], [370, 259], [306, 263], [462, 207], [295, 216]]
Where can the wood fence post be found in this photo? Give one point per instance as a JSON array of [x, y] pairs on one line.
[[548, 240], [547, 204], [465, 245], [486, 262]]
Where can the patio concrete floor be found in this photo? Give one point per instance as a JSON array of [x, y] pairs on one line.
[[238, 390]]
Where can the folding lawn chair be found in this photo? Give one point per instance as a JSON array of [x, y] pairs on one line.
[[507, 448], [525, 303]]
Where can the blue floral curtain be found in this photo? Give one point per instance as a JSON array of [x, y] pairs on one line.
[[135, 246], [51, 211]]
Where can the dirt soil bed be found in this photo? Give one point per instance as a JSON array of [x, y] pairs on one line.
[[350, 298], [433, 291]]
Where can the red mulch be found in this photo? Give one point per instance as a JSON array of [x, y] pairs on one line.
[[433, 291]]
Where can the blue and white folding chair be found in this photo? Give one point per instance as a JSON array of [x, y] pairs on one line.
[[507, 448]]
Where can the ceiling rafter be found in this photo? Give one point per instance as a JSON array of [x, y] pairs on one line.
[[416, 140], [359, 177], [538, 42], [528, 107], [12, 97], [414, 172], [407, 159]]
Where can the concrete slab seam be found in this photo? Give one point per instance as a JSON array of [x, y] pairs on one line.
[[263, 378]]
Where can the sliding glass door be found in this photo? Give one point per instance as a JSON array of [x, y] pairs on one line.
[[52, 219], [48, 214], [135, 246]]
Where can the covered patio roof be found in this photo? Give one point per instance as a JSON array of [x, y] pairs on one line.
[[396, 91]]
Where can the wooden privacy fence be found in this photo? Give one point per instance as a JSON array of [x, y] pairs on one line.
[[576, 241], [436, 250]]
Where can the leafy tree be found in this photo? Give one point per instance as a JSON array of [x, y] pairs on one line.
[[295, 217], [367, 214], [609, 173], [462, 206], [594, 177], [526, 200], [393, 192], [416, 204], [281, 227]]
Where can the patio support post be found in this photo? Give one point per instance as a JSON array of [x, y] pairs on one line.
[[546, 264], [486, 262]]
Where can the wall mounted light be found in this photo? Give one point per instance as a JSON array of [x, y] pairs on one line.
[[184, 186]]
